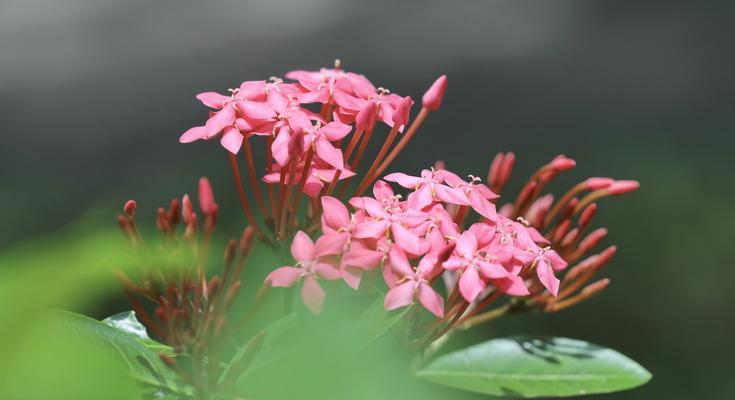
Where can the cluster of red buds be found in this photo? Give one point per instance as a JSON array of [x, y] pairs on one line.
[[190, 308]]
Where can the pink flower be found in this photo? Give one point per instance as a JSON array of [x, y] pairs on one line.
[[322, 137], [413, 284], [319, 175], [546, 262], [474, 267], [368, 105], [428, 187], [227, 119], [474, 194], [320, 85], [310, 267], [389, 215]]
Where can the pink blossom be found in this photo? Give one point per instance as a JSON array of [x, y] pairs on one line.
[[427, 188], [413, 284], [310, 267], [321, 137], [547, 261], [389, 215], [474, 266]]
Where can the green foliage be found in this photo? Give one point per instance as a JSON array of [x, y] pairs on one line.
[[529, 366]]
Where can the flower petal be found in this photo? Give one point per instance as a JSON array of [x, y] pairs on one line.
[[302, 248], [313, 295], [327, 152], [431, 300], [407, 181], [284, 276], [399, 296], [335, 130], [371, 229], [335, 213], [406, 239], [546, 277], [327, 271], [399, 262], [193, 134], [220, 120], [213, 99], [330, 243], [470, 284], [231, 139]]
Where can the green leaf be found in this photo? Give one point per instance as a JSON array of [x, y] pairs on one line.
[[121, 339], [374, 323], [530, 366], [127, 322]]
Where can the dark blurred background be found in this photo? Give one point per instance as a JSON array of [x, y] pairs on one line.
[[94, 94]]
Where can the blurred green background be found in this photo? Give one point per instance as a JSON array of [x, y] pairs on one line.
[[93, 96]]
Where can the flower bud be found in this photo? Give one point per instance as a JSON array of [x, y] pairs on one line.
[[598, 183], [402, 112], [433, 97], [587, 214], [129, 208], [206, 197], [592, 240], [562, 163], [621, 187]]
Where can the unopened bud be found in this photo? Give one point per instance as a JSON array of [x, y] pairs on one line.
[[230, 250], [561, 230], [493, 174], [595, 288], [433, 97], [174, 210], [598, 183], [187, 210], [592, 240], [206, 197], [246, 241], [402, 112], [606, 256], [129, 208], [562, 163], [587, 214], [570, 237], [621, 187]]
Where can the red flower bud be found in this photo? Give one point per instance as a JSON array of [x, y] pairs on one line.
[[433, 97]]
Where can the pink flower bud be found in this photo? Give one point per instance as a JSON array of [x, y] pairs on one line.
[[592, 240], [506, 169], [621, 187], [570, 237], [587, 214], [598, 183], [562, 163], [187, 210], [594, 288], [493, 173], [433, 97], [206, 197], [129, 208], [402, 112], [606, 256]]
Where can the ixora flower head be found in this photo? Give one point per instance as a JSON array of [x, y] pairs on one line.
[[444, 246]]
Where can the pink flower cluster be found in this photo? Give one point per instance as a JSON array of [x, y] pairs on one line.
[[418, 239], [276, 109]]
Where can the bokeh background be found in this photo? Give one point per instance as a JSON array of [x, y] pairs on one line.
[[94, 94]]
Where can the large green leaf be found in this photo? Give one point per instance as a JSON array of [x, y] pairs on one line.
[[121, 339], [528, 366]]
